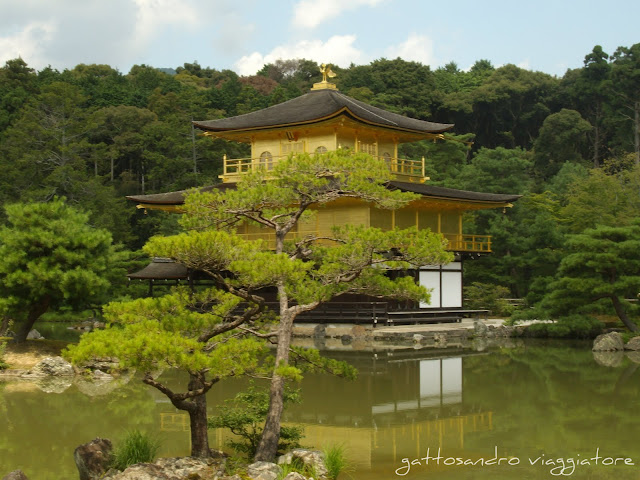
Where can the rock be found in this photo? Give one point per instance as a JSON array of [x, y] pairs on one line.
[[191, 467], [295, 476], [52, 366], [480, 329], [440, 339], [100, 375], [34, 335], [320, 331], [92, 459], [358, 331], [143, 471], [633, 344], [264, 471], [417, 338], [105, 364], [311, 458], [15, 475], [346, 339], [608, 342], [181, 468], [608, 359]]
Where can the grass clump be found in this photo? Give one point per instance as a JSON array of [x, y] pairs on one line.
[[136, 447], [297, 466], [336, 461]]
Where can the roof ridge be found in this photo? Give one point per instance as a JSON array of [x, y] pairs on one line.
[[353, 101]]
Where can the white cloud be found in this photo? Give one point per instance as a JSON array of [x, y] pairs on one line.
[[417, 48], [524, 64], [311, 13], [28, 42], [338, 50], [153, 15]]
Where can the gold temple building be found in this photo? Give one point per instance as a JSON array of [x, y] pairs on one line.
[[325, 119]]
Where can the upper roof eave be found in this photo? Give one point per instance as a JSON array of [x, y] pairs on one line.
[[429, 191], [318, 106]]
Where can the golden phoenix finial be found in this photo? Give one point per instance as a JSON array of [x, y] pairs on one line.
[[326, 71]]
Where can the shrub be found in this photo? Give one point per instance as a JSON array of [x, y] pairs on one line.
[[136, 447], [487, 296], [336, 461], [245, 415], [573, 326]]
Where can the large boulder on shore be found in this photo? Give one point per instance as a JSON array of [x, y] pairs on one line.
[[92, 459], [608, 342], [52, 366], [633, 344]]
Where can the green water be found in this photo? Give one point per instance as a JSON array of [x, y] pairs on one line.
[[544, 401]]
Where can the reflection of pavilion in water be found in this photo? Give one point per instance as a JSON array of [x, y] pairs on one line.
[[401, 404]]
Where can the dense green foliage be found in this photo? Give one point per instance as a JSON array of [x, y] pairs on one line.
[[51, 257], [216, 332], [488, 296], [602, 263], [569, 144], [305, 271], [190, 331]]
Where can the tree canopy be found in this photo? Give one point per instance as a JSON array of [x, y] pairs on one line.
[[184, 331], [601, 263], [51, 257]]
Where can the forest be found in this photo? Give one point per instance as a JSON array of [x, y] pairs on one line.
[[570, 145]]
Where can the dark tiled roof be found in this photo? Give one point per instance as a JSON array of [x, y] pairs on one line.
[[173, 198], [177, 198], [442, 192], [161, 268], [318, 105]]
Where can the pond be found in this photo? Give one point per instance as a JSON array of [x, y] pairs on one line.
[[543, 409]]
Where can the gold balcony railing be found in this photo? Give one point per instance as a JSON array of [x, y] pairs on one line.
[[403, 169], [457, 242], [468, 243]]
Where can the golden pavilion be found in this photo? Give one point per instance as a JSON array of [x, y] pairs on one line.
[[325, 119]]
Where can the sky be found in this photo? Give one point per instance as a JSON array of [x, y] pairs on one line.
[[242, 35]]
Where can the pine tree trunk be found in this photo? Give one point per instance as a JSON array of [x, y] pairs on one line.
[[198, 421], [35, 312], [622, 314], [268, 446], [195, 406]]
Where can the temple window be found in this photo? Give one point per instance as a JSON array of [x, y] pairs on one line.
[[292, 147], [369, 148], [266, 160]]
